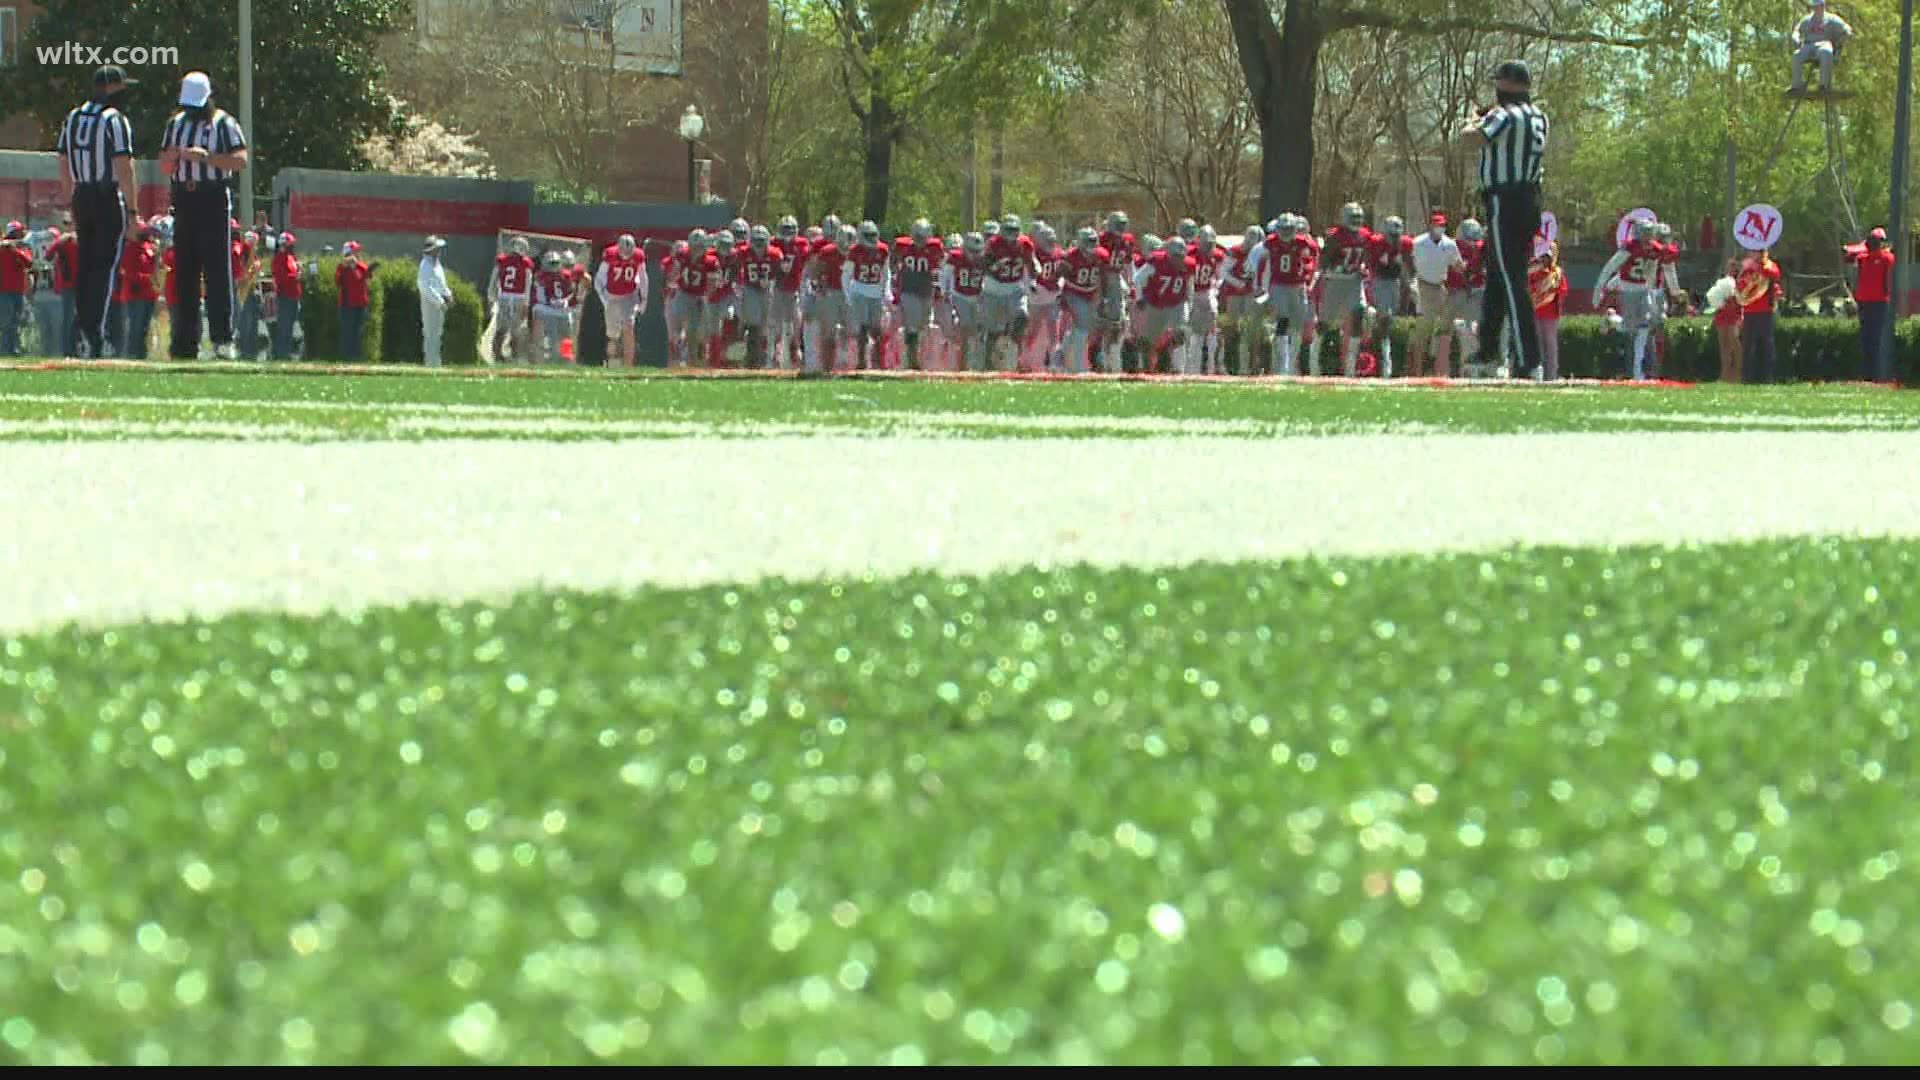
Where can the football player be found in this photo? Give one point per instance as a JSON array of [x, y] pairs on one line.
[[867, 277], [1388, 254], [917, 260], [1344, 277], [1083, 289], [1637, 270]]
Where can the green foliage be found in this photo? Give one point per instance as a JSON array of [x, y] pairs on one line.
[[392, 333], [1808, 349]]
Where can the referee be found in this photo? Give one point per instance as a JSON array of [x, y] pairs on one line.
[[201, 150], [96, 144], [1513, 141]]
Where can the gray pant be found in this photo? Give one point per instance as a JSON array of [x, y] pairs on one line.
[[1820, 51], [554, 326], [51, 315]]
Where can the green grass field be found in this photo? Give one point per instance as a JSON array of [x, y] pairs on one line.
[[1529, 805]]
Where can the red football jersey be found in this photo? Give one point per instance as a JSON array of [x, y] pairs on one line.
[[1206, 267], [716, 270], [1387, 259], [1235, 280], [968, 276], [1168, 284], [760, 269], [869, 262], [692, 273], [240, 251], [1120, 249], [1053, 268], [1084, 271], [623, 271], [516, 273], [1643, 262], [916, 266], [1009, 258], [1346, 250], [823, 264], [1474, 254], [1291, 262], [553, 288], [793, 262]]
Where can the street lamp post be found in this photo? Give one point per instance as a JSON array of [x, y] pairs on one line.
[[1902, 245], [246, 109], [692, 125]]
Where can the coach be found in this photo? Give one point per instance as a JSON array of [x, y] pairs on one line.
[[96, 180], [201, 150], [1513, 142]]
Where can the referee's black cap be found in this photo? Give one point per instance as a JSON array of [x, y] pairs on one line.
[[111, 74], [1513, 71]]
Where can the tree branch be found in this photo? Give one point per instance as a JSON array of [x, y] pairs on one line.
[[1382, 20]]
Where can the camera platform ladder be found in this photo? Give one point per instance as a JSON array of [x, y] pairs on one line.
[[1836, 166]]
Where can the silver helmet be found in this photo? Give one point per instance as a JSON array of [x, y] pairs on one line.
[[1149, 243], [723, 241], [952, 242], [789, 227], [1175, 247], [1010, 225], [1044, 237], [759, 238], [550, 260], [830, 225], [1253, 237], [1086, 239], [1643, 229], [989, 228], [1393, 226], [1189, 230], [869, 233], [1471, 230], [922, 228], [1353, 215], [626, 245], [738, 226], [847, 236], [697, 239], [1206, 237], [519, 246], [1117, 221], [976, 243]]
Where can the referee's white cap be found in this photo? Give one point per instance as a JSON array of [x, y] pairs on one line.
[[195, 89]]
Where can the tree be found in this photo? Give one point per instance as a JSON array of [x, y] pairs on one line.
[[1280, 44], [316, 72], [422, 147], [1170, 116], [550, 93], [901, 60]]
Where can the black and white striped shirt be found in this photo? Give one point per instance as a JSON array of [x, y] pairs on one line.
[[1516, 145], [93, 135], [218, 132]]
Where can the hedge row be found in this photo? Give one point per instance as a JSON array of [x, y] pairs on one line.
[[392, 334], [1807, 349]]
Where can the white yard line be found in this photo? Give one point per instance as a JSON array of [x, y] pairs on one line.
[[190, 403], [158, 529], [142, 429], [1758, 421]]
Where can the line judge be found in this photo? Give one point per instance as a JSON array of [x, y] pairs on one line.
[[96, 180], [202, 150], [1513, 145]]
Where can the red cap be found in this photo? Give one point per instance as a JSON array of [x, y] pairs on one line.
[[234, 224], [288, 238], [350, 247], [1437, 219], [14, 227], [1877, 234]]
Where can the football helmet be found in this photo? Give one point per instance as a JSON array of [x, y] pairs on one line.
[[1353, 215], [1471, 230]]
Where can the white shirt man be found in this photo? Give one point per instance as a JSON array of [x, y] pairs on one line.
[[435, 297], [1435, 254]]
